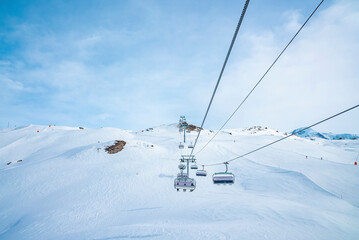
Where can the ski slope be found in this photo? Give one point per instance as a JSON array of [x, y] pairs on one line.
[[67, 188]]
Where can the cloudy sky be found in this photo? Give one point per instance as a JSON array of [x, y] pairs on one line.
[[137, 64]]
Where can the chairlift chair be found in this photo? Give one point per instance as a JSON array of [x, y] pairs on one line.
[[202, 172], [182, 166], [181, 146], [184, 183], [190, 146], [223, 177], [194, 166], [188, 131]]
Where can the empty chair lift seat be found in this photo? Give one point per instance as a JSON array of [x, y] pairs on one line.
[[181, 166], [201, 173], [184, 183], [194, 167], [223, 178]]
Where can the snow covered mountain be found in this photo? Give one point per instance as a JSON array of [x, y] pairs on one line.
[[66, 186], [310, 133]]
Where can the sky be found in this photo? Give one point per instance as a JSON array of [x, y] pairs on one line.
[[138, 64]]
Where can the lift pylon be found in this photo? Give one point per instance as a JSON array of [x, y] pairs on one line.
[[183, 126]]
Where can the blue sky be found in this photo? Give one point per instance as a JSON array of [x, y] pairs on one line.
[[136, 64]]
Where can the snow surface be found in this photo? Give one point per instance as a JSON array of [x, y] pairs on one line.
[[65, 188]]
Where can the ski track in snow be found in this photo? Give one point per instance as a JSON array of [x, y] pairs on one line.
[[65, 189]]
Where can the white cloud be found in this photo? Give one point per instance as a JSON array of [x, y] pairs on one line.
[[292, 19], [150, 73], [8, 84], [316, 77]]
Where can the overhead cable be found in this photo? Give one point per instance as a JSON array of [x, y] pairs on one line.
[[270, 67], [223, 67], [281, 139]]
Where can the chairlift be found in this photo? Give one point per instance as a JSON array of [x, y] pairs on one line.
[[190, 146], [188, 131], [182, 166], [223, 177], [185, 183], [194, 166], [181, 146], [202, 172]]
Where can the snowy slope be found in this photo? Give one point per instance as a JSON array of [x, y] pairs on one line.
[[65, 188]]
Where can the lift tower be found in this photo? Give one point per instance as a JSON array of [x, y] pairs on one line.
[[188, 159], [183, 126]]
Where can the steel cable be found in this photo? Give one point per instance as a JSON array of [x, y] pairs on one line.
[[281, 139], [223, 67], [270, 67]]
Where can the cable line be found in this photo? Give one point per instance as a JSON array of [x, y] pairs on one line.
[[223, 67], [281, 139], [270, 67]]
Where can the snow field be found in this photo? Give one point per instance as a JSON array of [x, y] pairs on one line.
[[66, 189]]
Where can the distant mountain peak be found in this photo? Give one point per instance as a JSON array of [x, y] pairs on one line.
[[311, 133]]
